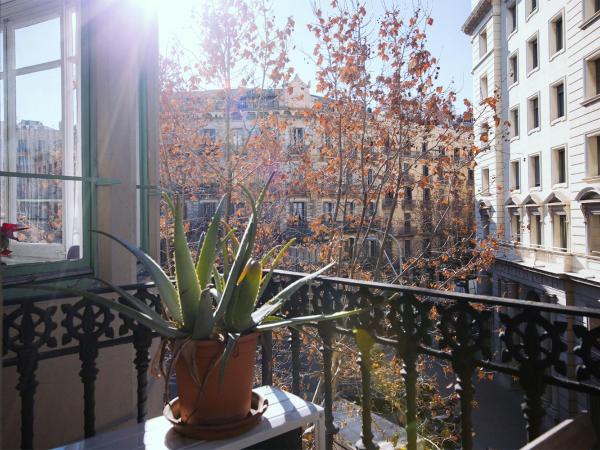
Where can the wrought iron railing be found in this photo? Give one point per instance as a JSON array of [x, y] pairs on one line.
[[541, 344]]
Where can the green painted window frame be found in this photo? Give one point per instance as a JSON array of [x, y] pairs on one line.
[[50, 270]]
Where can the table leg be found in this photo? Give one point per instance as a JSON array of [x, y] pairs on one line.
[[320, 431]]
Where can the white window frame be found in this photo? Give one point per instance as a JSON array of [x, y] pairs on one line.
[[591, 142], [531, 171], [530, 69], [552, 50], [512, 176], [554, 118], [18, 15], [514, 78], [531, 128], [589, 87], [515, 125], [554, 168]]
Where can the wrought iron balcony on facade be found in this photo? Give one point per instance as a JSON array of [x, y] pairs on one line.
[[533, 345]]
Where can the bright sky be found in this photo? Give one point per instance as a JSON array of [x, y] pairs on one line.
[[446, 40]]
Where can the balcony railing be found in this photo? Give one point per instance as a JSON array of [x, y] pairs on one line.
[[537, 341]]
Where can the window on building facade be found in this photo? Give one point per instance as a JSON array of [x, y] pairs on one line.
[[485, 181], [591, 7], [370, 177], [407, 223], [532, 6], [209, 134], [535, 228], [512, 23], [557, 34], [327, 212], [592, 76], [40, 147], [533, 119], [425, 170], [298, 213], [483, 44], [298, 136], [593, 155], [372, 248], [350, 208], [483, 88], [514, 122], [471, 176], [515, 175], [372, 208], [407, 248], [593, 232], [559, 165], [532, 54], [535, 176], [557, 92], [513, 68], [515, 225], [426, 196], [408, 195], [560, 231]]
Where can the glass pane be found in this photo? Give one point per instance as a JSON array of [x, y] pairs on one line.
[[52, 212], [39, 139], [38, 43]]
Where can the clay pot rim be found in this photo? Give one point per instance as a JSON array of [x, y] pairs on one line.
[[212, 342]]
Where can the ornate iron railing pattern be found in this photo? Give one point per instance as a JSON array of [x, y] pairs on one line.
[[534, 344]]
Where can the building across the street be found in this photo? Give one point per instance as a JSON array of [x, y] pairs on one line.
[[424, 180], [538, 179]]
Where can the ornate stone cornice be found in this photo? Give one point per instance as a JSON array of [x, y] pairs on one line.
[[478, 13]]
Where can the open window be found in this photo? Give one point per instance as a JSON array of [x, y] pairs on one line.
[[41, 155]]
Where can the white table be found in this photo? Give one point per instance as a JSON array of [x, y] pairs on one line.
[[286, 412]]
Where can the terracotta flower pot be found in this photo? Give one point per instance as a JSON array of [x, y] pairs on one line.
[[219, 402]]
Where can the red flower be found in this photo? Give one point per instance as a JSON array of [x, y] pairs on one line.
[[8, 229]]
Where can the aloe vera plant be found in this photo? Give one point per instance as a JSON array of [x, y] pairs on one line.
[[207, 302]]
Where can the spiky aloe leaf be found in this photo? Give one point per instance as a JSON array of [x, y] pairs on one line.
[[239, 313], [168, 293], [276, 262], [297, 321], [232, 339], [160, 325], [185, 273], [275, 303], [238, 264], [132, 300], [209, 248], [204, 319]]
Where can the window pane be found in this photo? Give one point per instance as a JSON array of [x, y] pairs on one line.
[[39, 140], [51, 211], [38, 43]]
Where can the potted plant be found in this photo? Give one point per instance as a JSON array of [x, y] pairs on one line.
[[211, 319]]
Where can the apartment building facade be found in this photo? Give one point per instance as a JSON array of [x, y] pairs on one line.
[[537, 179], [308, 205]]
